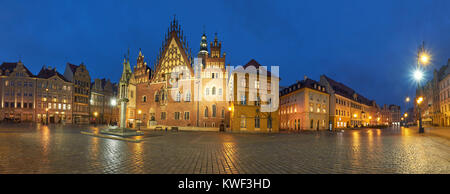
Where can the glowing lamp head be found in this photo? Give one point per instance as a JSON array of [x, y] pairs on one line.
[[95, 114], [424, 58], [419, 100], [229, 108], [113, 102], [418, 75], [407, 99], [139, 111], [406, 114]]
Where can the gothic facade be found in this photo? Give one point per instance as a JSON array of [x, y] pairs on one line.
[[180, 91]]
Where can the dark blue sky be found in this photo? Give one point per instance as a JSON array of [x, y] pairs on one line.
[[368, 45]]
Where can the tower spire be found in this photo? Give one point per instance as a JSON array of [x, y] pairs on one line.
[[203, 44]]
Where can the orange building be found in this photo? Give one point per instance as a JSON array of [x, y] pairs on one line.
[[304, 106], [180, 91]]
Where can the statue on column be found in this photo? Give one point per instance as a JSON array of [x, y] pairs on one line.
[[124, 82]]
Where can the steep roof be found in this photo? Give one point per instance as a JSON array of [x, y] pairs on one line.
[[257, 66], [306, 83], [46, 73], [73, 67], [11, 66], [347, 92]]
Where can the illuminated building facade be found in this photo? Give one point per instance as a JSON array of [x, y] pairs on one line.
[[180, 91], [17, 86], [79, 76], [304, 106], [103, 102], [347, 107], [254, 99], [53, 97]]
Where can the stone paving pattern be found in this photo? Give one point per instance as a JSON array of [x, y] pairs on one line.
[[27, 148]]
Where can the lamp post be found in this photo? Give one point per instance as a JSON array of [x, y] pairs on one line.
[[113, 104], [95, 117], [406, 120], [46, 120], [423, 58], [139, 113], [419, 101]]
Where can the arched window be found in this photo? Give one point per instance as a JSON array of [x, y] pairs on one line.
[[213, 92], [156, 97], [144, 98], [213, 110], [188, 96], [178, 98], [163, 95], [206, 111], [207, 91], [312, 123], [223, 113]]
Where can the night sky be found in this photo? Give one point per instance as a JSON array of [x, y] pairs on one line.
[[368, 45]]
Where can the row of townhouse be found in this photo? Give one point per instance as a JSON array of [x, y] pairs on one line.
[[435, 108], [48, 97], [328, 104]]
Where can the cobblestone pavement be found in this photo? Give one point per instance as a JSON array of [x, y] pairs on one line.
[[28, 148]]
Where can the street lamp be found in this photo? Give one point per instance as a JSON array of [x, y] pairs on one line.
[[419, 101], [95, 115], [423, 57], [418, 75], [46, 120], [113, 104], [139, 113]]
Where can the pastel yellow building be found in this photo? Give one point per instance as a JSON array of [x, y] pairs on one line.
[[304, 106], [253, 99], [347, 107]]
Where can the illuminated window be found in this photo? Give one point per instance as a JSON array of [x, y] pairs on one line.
[[186, 115], [178, 97], [243, 122], [188, 97]]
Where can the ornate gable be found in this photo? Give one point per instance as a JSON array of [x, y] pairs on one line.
[[174, 60]]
